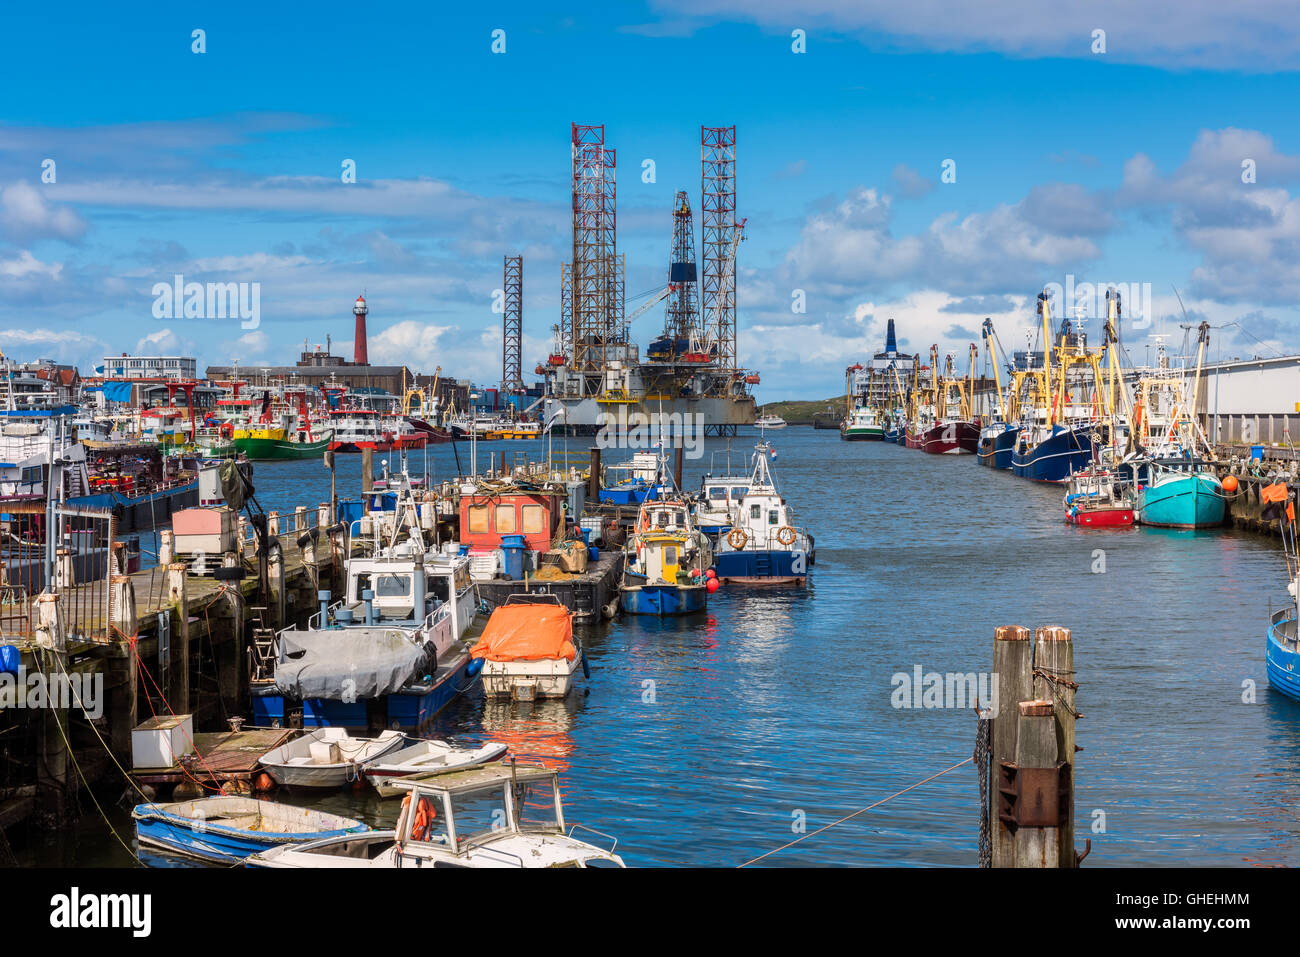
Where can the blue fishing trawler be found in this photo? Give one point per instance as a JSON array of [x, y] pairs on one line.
[[1051, 452], [996, 445], [764, 545]]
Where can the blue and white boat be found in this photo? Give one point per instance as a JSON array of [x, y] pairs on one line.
[[665, 559], [227, 829], [1281, 654], [390, 653], [764, 545], [996, 444], [1052, 452], [632, 482]]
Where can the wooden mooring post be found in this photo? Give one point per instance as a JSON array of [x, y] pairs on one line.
[[1030, 809]]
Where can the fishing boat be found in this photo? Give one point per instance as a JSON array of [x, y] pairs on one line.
[[1097, 500], [528, 649], [718, 499], [425, 758], [327, 757], [764, 545], [665, 559], [1067, 420], [943, 424], [863, 424], [389, 653], [227, 828], [498, 815], [1176, 492], [998, 432], [1281, 651], [770, 422], [631, 482], [1170, 468], [895, 427]]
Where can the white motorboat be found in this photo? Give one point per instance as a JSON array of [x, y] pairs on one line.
[[500, 815], [427, 758], [327, 757], [770, 422], [529, 650]]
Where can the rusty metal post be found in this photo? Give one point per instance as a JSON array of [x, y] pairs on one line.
[[1036, 846]]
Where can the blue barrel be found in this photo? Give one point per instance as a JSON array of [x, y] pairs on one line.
[[1257, 452], [513, 547], [593, 552], [10, 658]]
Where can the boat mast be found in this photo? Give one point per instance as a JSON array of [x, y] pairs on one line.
[[1044, 309], [993, 355]]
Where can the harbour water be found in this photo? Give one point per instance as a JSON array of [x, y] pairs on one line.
[[710, 741]]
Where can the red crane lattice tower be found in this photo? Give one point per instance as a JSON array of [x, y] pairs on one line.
[[512, 370], [718, 221], [595, 320], [682, 318]]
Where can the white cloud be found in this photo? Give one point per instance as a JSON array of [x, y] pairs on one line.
[[28, 265], [1251, 35], [25, 214]]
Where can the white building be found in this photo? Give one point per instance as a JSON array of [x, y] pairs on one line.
[[149, 367]]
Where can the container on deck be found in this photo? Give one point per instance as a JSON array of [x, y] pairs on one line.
[[209, 530], [514, 547], [1257, 452], [158, 742]]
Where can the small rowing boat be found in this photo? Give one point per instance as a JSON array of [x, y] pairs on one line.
[[228, 828], [327, 757], [425, 758]]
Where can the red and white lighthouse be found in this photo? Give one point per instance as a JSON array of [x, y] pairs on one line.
[[359, 336]]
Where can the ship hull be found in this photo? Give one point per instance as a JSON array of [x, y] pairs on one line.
[[662, 600], [950, 438], [1182, 501], [994, 451], [1281, 657], [868, 434], [1056, 457], [762, 567]]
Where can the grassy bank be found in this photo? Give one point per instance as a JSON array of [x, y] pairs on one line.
[[794, 411]]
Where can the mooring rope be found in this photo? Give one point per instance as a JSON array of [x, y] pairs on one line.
[[983, 750], [850, 817]]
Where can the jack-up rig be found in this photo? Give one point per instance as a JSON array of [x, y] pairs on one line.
[[594, 371]]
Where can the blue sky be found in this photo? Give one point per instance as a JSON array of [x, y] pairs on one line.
[[1123, 166]]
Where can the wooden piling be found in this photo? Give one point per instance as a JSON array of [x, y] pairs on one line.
[[1036, 749], [178, 598], [367, 478], [1054, 681], [125, 715], [1011, 676], [54, 785], [593, 478]]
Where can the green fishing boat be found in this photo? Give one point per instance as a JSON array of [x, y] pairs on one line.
[[863, 424]]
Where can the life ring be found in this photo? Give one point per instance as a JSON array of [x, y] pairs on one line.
[[425, 813], [227, 430], [785, 539], [737, 538]]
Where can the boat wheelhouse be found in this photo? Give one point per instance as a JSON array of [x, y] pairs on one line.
[[665, 561], [863, 424], [498, 815], [764, 545]]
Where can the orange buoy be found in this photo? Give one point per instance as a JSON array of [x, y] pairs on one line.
[[1230, 484]]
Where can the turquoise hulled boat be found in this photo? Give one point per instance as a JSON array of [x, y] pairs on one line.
[[1176, 493]]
